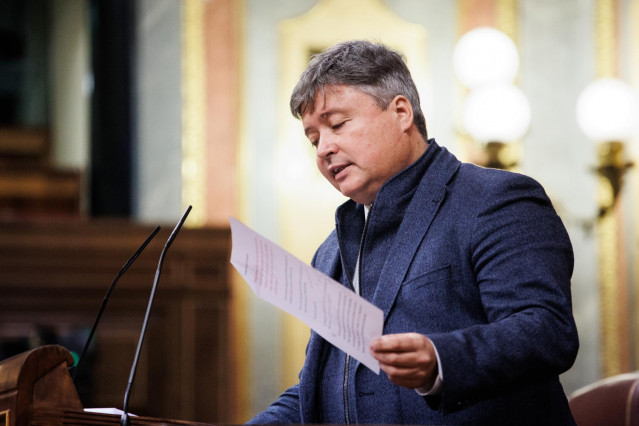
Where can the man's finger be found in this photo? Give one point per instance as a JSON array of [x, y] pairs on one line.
[[404, 342]]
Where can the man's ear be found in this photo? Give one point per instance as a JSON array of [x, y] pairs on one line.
[[404, 110]]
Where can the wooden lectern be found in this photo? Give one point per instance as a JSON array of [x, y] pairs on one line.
[[36, 389]]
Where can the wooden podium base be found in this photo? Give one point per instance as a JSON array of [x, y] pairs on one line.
[[36, 389]]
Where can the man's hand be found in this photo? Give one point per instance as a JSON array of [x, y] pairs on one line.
[[408, 359]]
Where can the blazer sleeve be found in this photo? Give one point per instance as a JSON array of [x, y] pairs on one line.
[[286, 409], [522, 260]]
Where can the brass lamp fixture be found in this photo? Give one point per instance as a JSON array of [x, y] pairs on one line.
[[612, 167], [608, 114], [496, 116], [495, 112], [497, 156]]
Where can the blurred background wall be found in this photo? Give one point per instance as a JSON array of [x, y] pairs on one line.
[[157, 104]]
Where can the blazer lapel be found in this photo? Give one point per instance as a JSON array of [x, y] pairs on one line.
[[417, 220]]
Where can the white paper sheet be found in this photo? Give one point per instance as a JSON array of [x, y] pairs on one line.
[[336, 313], [107, 410]]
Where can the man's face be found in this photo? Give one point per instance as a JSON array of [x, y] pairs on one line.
[[359, 145]]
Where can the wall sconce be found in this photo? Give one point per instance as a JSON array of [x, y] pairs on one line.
[[608, 114], [495, 111], [496, 115]]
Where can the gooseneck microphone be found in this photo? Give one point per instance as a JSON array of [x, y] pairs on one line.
[[106, 298], [125, 420]]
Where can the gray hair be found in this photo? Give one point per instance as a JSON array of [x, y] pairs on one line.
[[372, 68]]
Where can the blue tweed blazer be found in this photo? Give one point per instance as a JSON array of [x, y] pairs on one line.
[[477, 260]]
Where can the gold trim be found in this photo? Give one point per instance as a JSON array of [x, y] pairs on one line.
[[506, 18], [6, 415], [633, 64], [609, 323], [467, 151], [610, 346], [605, 38], [462, 14], [610, 286], [193, 111], [506, 21]]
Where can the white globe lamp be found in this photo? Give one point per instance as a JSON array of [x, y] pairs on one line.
[[485, 56], [496, 113], [608, 110]]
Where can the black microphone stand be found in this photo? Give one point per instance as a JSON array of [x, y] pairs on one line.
[[125, 420], [106, 298]]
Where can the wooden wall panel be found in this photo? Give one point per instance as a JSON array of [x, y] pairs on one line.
[[54, 276]]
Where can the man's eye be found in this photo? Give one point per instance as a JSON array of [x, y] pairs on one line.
[[338, 125], [314, 142]]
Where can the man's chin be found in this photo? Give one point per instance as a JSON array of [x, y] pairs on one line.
[[359, 198], [355, 193]]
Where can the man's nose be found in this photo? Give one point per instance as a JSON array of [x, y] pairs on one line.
[[326, 146]]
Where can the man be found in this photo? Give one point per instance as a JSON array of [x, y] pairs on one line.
[[470, 266]]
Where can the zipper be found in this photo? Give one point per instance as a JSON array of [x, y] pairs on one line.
[[359, 251], [347, 362], [347, 417]]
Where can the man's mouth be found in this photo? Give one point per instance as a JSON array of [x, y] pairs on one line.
[[336, 170]]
